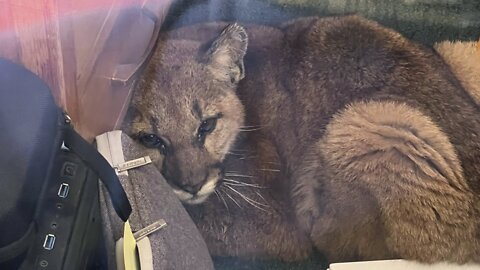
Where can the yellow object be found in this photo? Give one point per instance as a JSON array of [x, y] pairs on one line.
[[129, 248]]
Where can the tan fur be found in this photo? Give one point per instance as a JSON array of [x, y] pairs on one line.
[[337, 135], [408, 164], [153, 101], [464, 58]]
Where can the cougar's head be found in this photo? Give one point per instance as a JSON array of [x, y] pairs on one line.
[[185, 108]]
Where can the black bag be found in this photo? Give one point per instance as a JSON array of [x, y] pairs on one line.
[[49, 212]]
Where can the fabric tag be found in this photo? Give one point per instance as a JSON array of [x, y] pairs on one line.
[[132, 164]]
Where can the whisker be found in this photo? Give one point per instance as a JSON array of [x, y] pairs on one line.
[[235, 154], [233, 200], [231, 172], [261, 196], [238, 175], [239, 182], [230, 181], [221, 198], [248, 130], [270, 162], [250, 201], [240, 185], [269, 170], [234, 181], [245, 197], [252, 126], [247, 157]]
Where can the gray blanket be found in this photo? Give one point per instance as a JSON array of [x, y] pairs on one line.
[[425, 21]]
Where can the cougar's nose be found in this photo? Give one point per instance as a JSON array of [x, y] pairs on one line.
[[192, 188]]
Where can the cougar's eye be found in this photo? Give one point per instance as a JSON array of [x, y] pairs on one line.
[[153, 141], [206, 127]]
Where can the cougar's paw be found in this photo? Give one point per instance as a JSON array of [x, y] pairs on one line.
[[306, 190], [306, 219]]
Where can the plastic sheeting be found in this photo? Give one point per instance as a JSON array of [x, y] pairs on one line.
[[88, 52]]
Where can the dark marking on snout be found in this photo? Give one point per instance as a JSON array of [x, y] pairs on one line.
[[197, 110], [184, 180], [171, 171], [154, 123], [192, 187]]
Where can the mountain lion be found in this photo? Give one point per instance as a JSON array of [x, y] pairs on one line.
[[331, 134]]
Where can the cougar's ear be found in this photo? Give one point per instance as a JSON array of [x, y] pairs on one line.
[[225, 56]]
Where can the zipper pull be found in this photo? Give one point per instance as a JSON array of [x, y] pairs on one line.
[[67, 118]]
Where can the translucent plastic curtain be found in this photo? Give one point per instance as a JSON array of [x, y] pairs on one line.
[[88, 52]]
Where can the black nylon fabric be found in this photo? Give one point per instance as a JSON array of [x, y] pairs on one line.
[[32, 129], [29, 136]]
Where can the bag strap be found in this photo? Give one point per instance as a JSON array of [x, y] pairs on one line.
[[105, 172]]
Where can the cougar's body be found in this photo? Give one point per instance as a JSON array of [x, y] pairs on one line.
[[331, 134]]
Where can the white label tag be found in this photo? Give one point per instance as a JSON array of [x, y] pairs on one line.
[[157, 225], [132, 164]]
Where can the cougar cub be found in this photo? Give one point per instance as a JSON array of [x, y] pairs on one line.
[[331, 134]]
